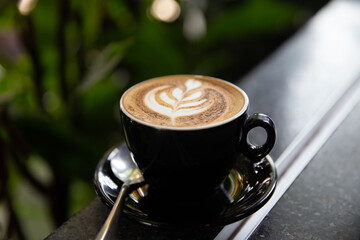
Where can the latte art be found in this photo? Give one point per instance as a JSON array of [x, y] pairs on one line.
[[183, 101], [176, 102]]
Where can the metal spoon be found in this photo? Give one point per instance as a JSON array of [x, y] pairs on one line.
[[124, 168]]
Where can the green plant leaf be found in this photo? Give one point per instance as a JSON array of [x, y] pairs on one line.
[[254, 17], [70, 155], [104, 62]]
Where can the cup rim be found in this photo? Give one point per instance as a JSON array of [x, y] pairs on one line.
[[160, 127]]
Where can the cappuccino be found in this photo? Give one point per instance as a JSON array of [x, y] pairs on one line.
[[183, 101]]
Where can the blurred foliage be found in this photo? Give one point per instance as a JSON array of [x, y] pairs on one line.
[[65, 64]]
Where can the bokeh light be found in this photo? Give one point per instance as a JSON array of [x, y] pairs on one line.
[[26, 6], [165, 10]]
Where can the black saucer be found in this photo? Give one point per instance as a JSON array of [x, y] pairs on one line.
[[246, 189]]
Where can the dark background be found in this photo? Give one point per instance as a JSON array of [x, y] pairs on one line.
[[64, 65]]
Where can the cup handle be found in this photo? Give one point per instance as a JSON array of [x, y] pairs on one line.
[[258, 120]]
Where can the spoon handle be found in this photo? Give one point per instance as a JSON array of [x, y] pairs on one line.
[[108, 228]]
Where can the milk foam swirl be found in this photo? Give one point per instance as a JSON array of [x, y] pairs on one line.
[[178, 103], [183, 101]]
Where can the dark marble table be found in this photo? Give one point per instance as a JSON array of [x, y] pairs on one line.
[[323, 202], [306, 78]]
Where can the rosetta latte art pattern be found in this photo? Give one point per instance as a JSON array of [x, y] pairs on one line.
[[178, 103], [183, 101]]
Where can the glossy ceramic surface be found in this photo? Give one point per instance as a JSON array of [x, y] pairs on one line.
[[246, 189]]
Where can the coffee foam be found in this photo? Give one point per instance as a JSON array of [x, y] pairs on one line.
[[183, 101]]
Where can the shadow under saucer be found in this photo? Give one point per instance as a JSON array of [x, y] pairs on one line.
[[246, 189]]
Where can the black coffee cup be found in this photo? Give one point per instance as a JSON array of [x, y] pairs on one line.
[[180, 163]]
